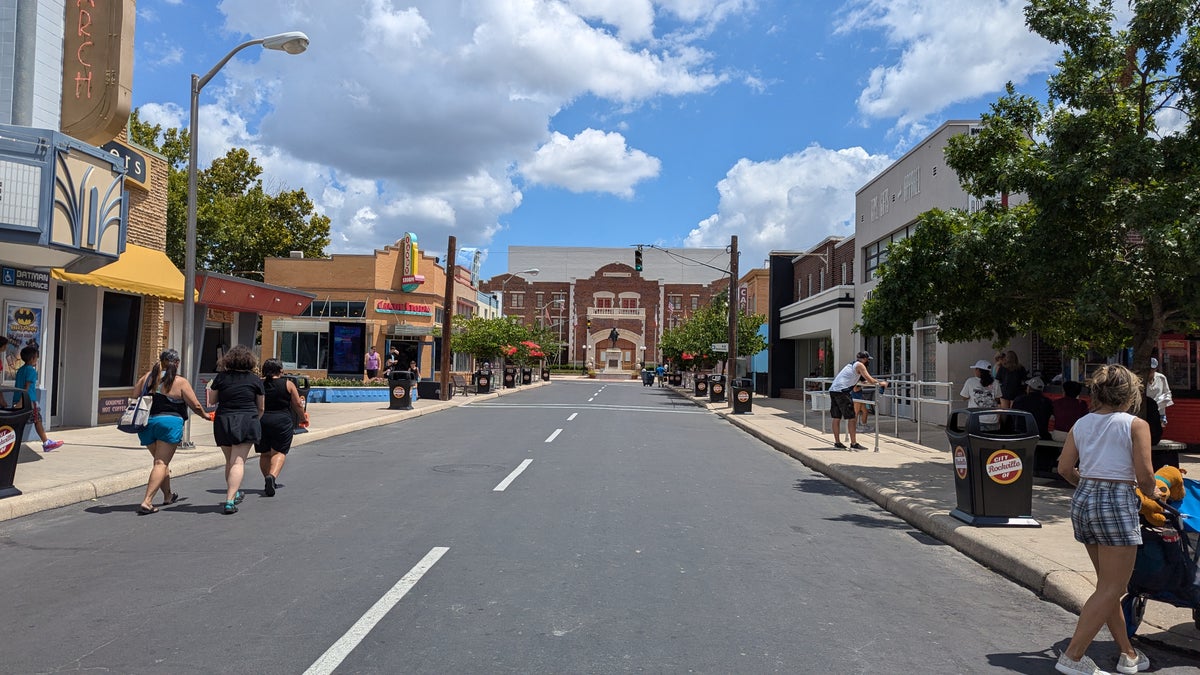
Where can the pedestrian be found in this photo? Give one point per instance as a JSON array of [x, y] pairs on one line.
[[414, 376], [27, 382], [1159, 389], [282, 408], [1011, 376], [981, 389], [841, 405], [239, 395], [659, 374], [393, 361], [171, 398], [1067, 410], [1112, 449], [1034, 403], [372, 364]]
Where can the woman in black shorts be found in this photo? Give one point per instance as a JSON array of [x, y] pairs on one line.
[[238, 393], [282, 409]]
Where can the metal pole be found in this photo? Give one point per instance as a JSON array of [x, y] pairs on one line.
[[448, 318], [731, 362], [189, 261]]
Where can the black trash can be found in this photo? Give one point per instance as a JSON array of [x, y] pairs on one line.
[[510, 377], [545, 374], [700, 386], [527, 376], [993, 454], [483, 381], [647, 378], [743, 396], [300, 382], [716, 388], [400, 386], [675, 379], [12, 431]]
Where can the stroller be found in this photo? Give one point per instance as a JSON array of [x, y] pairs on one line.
[[1168, 562]]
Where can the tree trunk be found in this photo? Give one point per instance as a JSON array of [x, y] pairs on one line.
[[1145, 340]]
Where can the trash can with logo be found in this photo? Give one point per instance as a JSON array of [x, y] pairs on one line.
[[700, 386], [993, 466], [545, 374], [483, 381], [527, 376], [743, 396], [300, 382], [400, 386], [675, 379], [716, 388], [12, 431], [510, 377]]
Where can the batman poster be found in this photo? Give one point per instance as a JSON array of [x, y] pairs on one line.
[[22, 327]]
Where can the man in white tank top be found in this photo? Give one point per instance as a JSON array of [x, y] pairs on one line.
[[841, 406]]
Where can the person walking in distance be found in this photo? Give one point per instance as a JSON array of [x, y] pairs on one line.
[[171, 398], [27, 381], [1011, 375], [371, 363], [280, 402], [841, 406], [1112, 449], [1159, 389], [239, 396]]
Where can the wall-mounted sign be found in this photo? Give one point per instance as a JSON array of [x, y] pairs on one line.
[[409, 279], [220, 315], [22, 278], [112, 405], [389, 307], [97, 69], [137, 169]]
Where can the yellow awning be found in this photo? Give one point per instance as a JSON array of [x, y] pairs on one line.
[[140, 270]]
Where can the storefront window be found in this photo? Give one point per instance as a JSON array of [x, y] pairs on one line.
[[119, 339], [302, 350]]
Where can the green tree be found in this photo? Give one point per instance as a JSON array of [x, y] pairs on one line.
[[239, 223], [485, 338], [1103, 252], [710, 324]]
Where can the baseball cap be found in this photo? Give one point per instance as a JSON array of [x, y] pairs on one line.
[[1035, 383], [863, 355], [1153, 362], [982, 364]]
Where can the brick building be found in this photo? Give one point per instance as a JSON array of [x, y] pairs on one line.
[[587, 293]]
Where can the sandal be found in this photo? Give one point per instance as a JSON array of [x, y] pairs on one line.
[[147, 510], [230, 507], [174, 498], [238, 497]]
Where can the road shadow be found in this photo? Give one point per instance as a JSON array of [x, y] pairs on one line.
[[1032, 663]]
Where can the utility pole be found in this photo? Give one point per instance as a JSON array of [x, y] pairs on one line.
[[448, 319], [731, 360]]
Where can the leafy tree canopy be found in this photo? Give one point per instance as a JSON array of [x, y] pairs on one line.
[[1102, 251], [239, 223], [710, 324]]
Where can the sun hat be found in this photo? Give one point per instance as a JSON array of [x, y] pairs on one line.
[[1035, 383], [982, 364], [1153, 362]]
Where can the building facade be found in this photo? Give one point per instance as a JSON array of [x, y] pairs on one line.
[[588, 293]]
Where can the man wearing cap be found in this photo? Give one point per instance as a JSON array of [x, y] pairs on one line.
[[1034, 403], [841, 406], [1159, 389]]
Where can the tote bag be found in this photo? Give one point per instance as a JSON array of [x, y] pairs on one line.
[[137, 413]]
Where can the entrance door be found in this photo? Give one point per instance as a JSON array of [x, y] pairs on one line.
[[899, 363], [56, 367]]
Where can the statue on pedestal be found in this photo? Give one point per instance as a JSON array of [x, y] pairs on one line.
[[613, 336]]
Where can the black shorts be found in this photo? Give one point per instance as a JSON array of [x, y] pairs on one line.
[[371, 373], [841, 406], [236, 428], [277, 432]]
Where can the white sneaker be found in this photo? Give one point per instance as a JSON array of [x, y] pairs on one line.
[[1131, 666], [1084, 666]]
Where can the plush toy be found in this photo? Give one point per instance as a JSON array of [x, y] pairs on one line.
[[1168, 488]]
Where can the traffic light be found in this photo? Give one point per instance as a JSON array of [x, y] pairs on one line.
[[589, 324], [637, 259]]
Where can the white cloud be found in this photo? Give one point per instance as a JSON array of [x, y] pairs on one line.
[[950, 51], [593, 161], [410, 113], [789, 203]]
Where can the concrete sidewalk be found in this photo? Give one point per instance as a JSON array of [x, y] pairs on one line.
[[916, 482], [99, 461]]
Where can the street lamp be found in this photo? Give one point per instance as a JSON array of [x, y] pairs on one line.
[[532, 271], [293, 42]]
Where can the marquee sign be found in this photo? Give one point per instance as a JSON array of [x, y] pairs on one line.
[[389, 307], [97, 78], [409, 279]]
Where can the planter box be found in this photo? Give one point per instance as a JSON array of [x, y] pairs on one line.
[[348, 394]]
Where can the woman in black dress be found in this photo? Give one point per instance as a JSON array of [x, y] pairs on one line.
[[283, 408], [238, 393]]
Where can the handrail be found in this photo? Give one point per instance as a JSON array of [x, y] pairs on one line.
[[902, 388]]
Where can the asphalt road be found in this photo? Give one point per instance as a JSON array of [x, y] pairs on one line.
[[579, 528]]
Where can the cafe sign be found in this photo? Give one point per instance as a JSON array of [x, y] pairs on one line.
[[413, 309], [409, 279]]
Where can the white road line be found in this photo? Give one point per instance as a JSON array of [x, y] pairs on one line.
[[591, 399], [512, 476], [554, 435], [572, 416], [334, 656]]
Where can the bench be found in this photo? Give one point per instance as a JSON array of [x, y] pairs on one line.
[[1045, 457], [459, 383]]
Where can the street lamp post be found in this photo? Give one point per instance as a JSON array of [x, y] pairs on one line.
[[293, 42], [533, 272]]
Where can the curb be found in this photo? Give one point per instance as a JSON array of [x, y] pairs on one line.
[[92, 489]]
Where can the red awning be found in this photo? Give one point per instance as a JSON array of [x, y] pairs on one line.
[[221, 291]]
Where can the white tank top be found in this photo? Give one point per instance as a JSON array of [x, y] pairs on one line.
[[1105, 446], [846, 379]]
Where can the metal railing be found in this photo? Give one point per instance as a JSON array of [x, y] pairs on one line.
[[903, 391]]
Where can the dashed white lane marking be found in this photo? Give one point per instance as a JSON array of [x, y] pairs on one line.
[[554, 435], [591, 399], [512, 476], [333, 656], [572, 416]]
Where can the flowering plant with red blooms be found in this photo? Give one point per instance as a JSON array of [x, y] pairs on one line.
[[508, 350]]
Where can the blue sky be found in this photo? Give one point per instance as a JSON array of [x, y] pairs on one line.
[[582, 122]]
